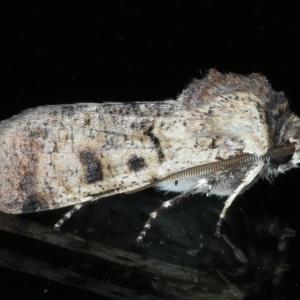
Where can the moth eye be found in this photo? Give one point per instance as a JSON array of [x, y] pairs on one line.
[[279, 160]]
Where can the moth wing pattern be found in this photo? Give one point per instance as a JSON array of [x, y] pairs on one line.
[[55, 156]]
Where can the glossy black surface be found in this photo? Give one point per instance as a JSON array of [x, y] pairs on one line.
[[55, 52]]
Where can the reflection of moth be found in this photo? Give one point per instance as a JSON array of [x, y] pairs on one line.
[[55, 156]]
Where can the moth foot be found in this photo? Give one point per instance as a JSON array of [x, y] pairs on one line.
[[57, 226], [139, 239], [68, 215], [142, 234], [219, 227]]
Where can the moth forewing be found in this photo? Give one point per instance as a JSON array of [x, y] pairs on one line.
[[55, 156]]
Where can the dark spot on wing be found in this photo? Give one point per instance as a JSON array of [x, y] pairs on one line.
[[136, 163], [32, 203], [87, 121], [68, 110], [27, 183], [93, 166], [38, 132], [53, 113], [55, 147], [155, 141], [133, 126], [213, 143]]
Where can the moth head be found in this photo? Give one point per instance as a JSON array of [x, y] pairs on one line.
[[290, 134]]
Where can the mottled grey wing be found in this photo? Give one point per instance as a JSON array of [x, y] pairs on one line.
[[55, 156]]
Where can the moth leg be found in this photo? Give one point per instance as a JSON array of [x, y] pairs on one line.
[[68, 215], [167, 204], [239, 254], [248, 178], [76, 207]]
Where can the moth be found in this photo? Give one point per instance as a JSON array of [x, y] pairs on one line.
[[222, 133]]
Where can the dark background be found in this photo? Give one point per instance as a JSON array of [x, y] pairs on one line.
[[55, 52]]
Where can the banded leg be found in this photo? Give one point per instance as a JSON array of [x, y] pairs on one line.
[[68, 215], [248, 178], [167, 204], [76, 207]]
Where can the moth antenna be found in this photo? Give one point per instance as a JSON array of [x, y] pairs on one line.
[[231, 164], [167, 204], [68, 215]]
